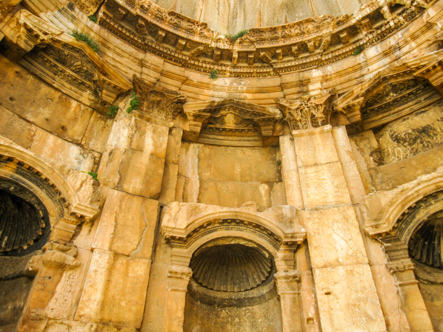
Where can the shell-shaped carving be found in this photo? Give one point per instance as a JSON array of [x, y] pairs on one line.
[[20, 223], [231, 267], [425, 244]]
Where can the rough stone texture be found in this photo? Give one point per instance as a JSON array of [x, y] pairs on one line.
[[261, 318], [115, 290], [39, 103], [334, 237], [232, 17], [13, 295], [127, 225], [230, 176], [362, 307], [135, 156], [344, 275]]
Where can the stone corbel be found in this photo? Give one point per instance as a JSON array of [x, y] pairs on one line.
[[196, 121], [64, 229], [352, 109]]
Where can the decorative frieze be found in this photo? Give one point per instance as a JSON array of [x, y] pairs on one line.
[[265, 51], [214, 119], [69, 65]]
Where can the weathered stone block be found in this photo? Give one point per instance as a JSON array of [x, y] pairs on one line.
[[16, 129], [334, 237], [127, 225], [60, 153], [316, 148], [115, 290], [350, 291], [328, 177]]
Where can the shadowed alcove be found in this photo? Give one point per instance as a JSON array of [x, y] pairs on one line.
[[232, 288]]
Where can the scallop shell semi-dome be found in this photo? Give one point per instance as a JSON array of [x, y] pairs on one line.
[[231, 267]]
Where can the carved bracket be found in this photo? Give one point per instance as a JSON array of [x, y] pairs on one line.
[[158, 104]]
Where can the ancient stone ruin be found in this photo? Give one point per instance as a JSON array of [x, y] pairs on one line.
[[221, 165]]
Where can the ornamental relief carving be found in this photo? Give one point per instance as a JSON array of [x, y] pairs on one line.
[[307, 112], [158, 104], [272, 50]]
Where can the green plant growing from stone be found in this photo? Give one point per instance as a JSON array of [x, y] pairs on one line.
[[358, 50], [81, 36], [214, 74], [237, 35], [92, 174], [134, 103], [112, 111], [93, 18]]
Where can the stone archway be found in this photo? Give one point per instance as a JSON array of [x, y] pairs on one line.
[[222, 230], [42, 249], [413, 247], [232, 288]]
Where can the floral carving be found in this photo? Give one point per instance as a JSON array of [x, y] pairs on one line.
[[307, 112], [157, 103]]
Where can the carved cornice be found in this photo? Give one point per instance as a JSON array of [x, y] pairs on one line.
[[229, 116], [263, 51], [158, 104], [69, 65], [307, 112], [389, 95]]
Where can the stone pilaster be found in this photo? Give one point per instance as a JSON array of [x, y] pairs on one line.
[[415, 308], [289, 293], [178, 280]]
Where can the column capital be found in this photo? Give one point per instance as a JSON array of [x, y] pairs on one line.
[[403, 269], [287, 282], [178, 278]]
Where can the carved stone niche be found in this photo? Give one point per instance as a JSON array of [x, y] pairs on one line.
[[389, 95], [158, 104], [307, 112], [57, 58], [229, 122]]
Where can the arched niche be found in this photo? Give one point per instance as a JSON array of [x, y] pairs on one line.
[[272, 237], [40, 212], [413, 247], [232, 288]]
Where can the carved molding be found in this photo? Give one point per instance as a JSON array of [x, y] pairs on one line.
[[287, 282], [394, 93], [266, 51], [385, 211], [158, 104], [178, 278], [186, 233], [67, 64], [229, 116], [307, 112]]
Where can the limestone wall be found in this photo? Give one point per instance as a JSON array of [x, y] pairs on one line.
[[230, 176]]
